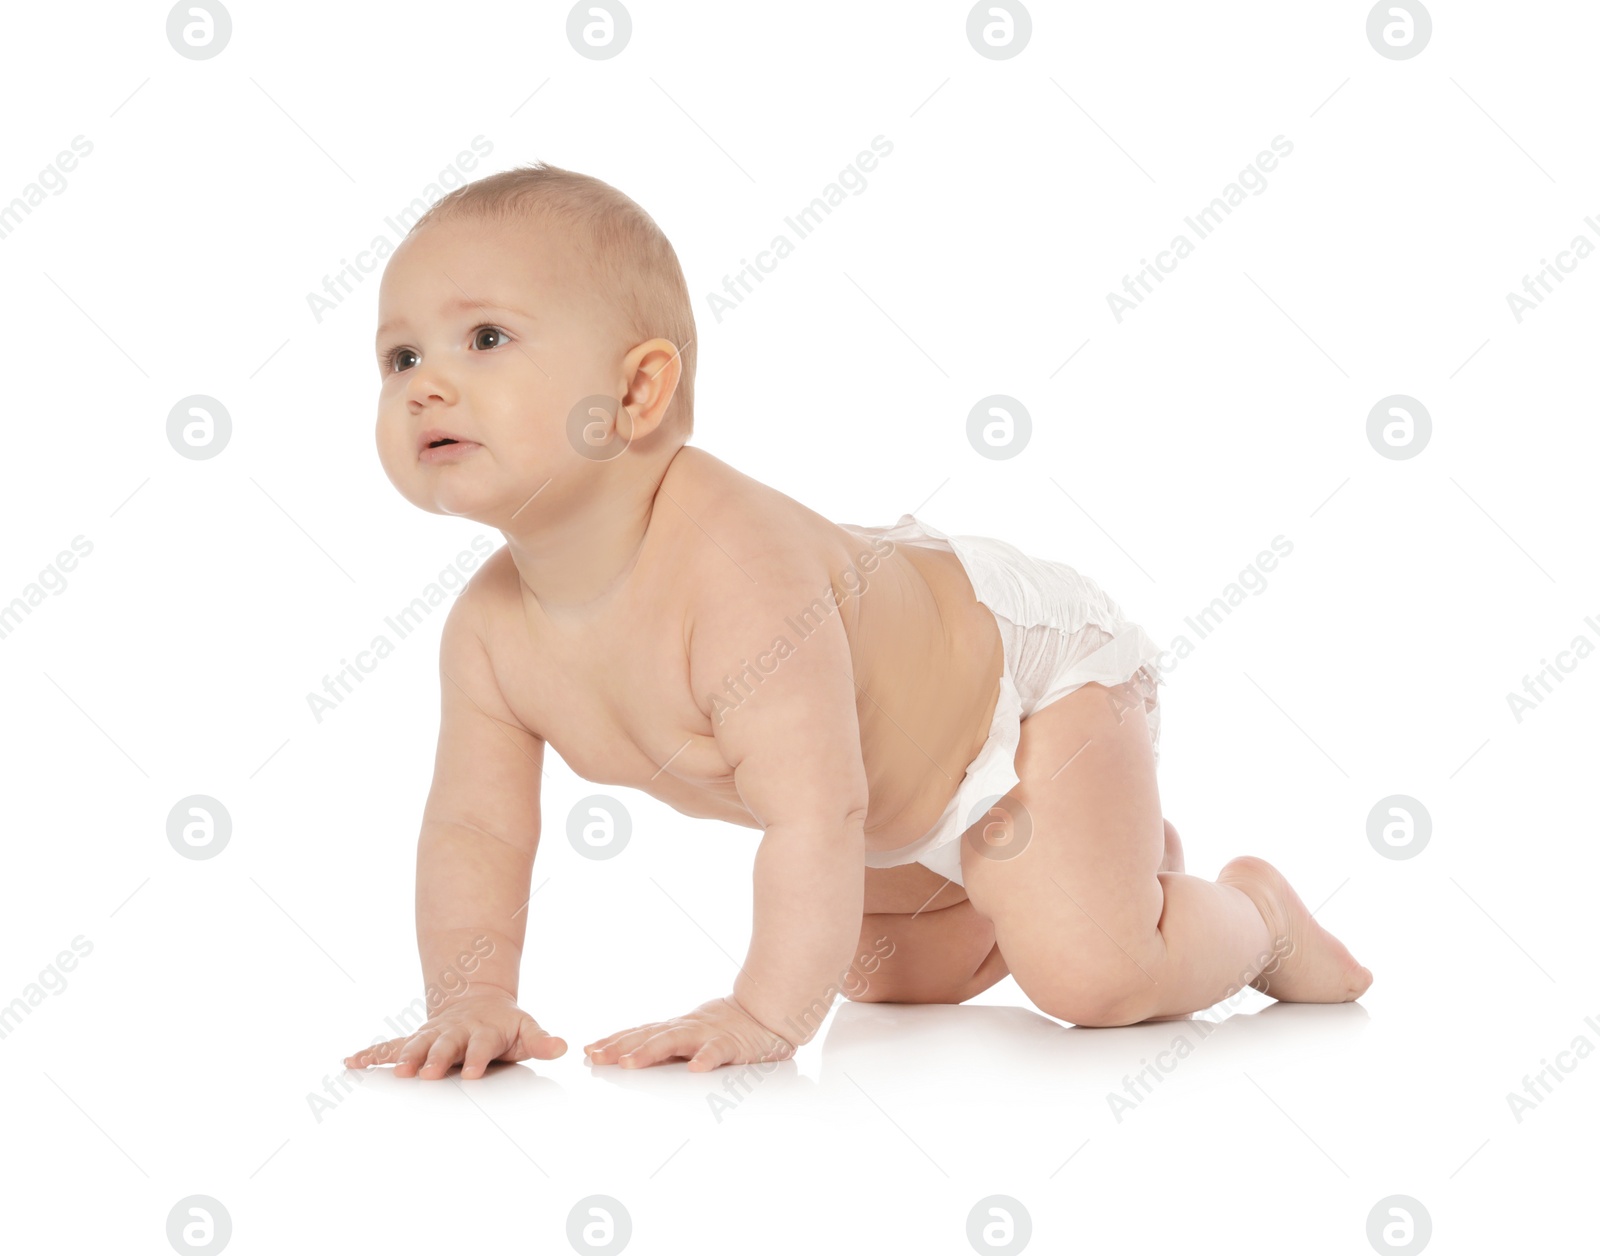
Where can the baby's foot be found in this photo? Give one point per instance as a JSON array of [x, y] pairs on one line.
[[1313, 965]]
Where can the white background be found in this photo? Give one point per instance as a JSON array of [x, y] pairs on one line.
[[1228, 409]]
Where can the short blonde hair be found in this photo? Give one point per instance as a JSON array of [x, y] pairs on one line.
[[628, 255]]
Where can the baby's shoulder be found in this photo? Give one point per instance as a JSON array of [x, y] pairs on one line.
[[490, 594], [741, 539]]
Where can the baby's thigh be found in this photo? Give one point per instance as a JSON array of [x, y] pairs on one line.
[[1075, 894], [934, 956]]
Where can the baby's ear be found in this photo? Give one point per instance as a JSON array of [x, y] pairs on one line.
[[653, 370]]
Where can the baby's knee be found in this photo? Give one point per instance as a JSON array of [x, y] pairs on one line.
[[919, 988], [904, 982], [929, 957], [1093, 999], [867, 979]]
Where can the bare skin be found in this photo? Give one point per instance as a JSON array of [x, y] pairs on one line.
[[669, 624], [1146, 943]]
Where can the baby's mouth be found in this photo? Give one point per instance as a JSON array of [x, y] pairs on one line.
[[437, 446]]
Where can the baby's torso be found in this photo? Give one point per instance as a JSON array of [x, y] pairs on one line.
[[612, 695]]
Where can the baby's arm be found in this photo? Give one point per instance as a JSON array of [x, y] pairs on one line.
[[795, 748], [480, 832]]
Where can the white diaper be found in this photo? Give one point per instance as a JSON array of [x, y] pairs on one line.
[[1059, 631]]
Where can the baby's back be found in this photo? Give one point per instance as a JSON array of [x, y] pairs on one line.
[[609, 687]]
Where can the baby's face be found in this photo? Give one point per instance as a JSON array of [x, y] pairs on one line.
[[489, 333]]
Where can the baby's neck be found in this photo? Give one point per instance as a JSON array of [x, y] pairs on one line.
[[572, 564]]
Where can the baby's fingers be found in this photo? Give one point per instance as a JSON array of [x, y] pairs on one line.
[[606, 1050], [534, 1043], [714, 1054], [378, 1053], [484, 1045], [447, 1048], [414, 1052], [610, 1040], [669, 1044]]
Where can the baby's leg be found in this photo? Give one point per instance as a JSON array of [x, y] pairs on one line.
[[931, 951], [1172, 856], [936, 956], [1093, 928]]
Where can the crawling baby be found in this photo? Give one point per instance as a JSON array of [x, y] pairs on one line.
[[948, 746]]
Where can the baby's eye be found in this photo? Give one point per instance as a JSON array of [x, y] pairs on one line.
[[394, 360]]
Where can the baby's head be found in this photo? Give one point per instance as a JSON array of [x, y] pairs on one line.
[[541, 318]]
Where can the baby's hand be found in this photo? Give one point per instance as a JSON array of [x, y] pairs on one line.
[[472, 1030], [715, 1033]]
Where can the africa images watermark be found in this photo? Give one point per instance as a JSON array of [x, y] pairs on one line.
[[1139, 692], [446, 585], [1537, 1088], [1538, 687], [852, 983], [52, 179], [1137, 1088], [1250, 582], [51, 980], [802, 624], [1536, 288], [852, 179], [52, 579], [404, 1023], [1252, 178], [339, 285]]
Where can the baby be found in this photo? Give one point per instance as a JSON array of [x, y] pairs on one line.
[[949, 746]]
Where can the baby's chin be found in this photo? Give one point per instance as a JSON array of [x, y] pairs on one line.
[[481, 489], [479, 506], [491, 504]]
